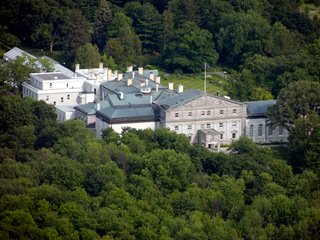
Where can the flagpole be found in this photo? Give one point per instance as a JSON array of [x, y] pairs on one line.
[[205, 76]]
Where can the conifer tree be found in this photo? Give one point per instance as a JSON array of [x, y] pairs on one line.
[[103, 19]]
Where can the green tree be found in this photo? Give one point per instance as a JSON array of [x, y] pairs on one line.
[[189, 48], [88, 56], [116, 24], [167, 27], [76, 34], [101, 24], [295, 101]]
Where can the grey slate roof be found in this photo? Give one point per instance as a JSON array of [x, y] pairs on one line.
[[91, 108], [121, 86], [259, 108], [147, 72], [178, 99], [129, 100], [14, 53]]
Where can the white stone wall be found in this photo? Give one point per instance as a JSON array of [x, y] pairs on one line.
[[265, 137]]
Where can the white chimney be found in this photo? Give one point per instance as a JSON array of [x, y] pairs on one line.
[[150, 99], [158, 79], [140, 70], [109, 74], [151, 76], [147, 81], [180, 88], [91, 73], [75, 75], [129, 69], [170, 85], [97, 76], [115, 73], [157, 87], [100, 65], [121, 95], [77, 67], [129, 82], [105, 71], [98, 106], [120, 76]]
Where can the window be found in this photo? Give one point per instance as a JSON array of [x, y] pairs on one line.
[[233, 135], [62, 99], [176, 114], [260, 130], [234, 110], [220, 124], [202, 113], [270, 131], [189, 114], [50, 85], [202, 126], [234, 124], [189, 127], [67, 85], [208, 125], [95, 91], [68, 96], [251, 131], [54, 103], [176, 128], [221, 136], [47, 98], [280, 130], [208, 112], [221, 111]]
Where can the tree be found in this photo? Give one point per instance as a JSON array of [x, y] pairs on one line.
[[297, 100], [102, 21], [189, 48], [76, 34], [88, 56], [167, 27], [116, 24]]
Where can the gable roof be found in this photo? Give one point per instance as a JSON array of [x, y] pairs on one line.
[[14, 53]]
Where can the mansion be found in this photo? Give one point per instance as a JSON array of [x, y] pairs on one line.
[[103, 98]]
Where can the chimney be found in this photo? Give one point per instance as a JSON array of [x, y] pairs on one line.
[[98, 106], [142, 84], [129, 82], [129, 69], [218, 93], [109, 75], [151, 76], [180, 88], [120, 76], [100, 65], [91, 73], [158, 78], [150, 99], [147, 81], [115, 73], [140, 70], [121, 95], [97, 76], [157, 87], [105, 71], [132, 75], [75, 75], [77, 67], [170, 85]]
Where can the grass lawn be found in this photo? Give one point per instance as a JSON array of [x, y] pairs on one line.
[[310, 7], [56, 55], [190, 81]]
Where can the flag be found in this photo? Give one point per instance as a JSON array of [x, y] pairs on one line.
[[207, 66]]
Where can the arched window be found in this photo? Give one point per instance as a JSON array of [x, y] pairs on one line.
[[251, 131], [260, 130]]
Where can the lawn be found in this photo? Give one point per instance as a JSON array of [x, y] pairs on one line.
[[309, 7], [196, 81]]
